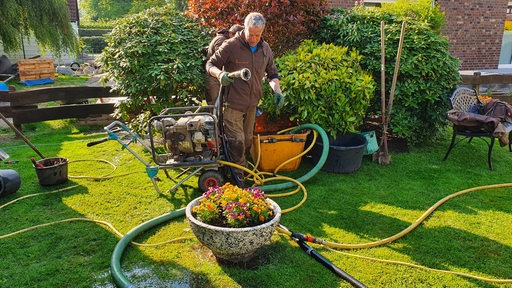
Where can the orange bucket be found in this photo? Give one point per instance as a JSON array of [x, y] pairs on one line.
[[276, 149]]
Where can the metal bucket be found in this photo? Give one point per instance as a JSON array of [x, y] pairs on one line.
[[9, 182], [55, 171]]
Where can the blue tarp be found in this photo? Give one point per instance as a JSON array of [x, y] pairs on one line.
[[41, 81], [3, 87]]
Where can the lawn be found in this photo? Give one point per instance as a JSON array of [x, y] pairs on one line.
[[469, 234]]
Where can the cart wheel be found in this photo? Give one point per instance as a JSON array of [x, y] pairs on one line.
[[210, 178]]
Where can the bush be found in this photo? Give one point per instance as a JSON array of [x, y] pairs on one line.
[[289, 22], [324, 85], [94, 44], [155, 58], [86, 32], [428, 72]]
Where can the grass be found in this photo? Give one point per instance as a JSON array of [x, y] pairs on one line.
[[469, 234], [60, 80]]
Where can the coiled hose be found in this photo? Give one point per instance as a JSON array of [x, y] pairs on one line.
[[115, 261]]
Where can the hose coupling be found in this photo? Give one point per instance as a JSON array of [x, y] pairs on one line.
[[307, 238]]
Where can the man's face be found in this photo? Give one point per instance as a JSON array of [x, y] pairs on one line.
[[253, 35]]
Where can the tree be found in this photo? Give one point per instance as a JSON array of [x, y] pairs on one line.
[[289, 22], [106, 9], [47, 20]]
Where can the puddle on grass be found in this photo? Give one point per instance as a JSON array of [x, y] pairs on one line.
[[150, 276], [158, 276]]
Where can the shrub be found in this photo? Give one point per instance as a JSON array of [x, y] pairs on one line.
[[94, 44], [417, 10], [289, 22], [427, 76], [87, 32], [155, 58], [324, 85]]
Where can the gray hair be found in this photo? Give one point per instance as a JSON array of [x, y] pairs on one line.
[[254, 19]]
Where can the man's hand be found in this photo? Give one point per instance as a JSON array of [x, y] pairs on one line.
[[279, 100], [224, 79]]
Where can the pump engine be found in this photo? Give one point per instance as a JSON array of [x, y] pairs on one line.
[[189, 138]]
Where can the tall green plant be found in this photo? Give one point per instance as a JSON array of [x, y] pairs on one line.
[[428, 72], [155, 58], [325, 85]]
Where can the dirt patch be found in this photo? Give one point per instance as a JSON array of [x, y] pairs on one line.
[[395, 143]]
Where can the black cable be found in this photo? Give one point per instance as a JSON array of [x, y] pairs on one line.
[[219, 105], [329, 265]]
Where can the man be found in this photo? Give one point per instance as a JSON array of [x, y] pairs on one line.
[[212, 85], [245, 50]]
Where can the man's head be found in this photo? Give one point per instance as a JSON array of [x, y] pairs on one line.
[[254, 24], [235, 28]]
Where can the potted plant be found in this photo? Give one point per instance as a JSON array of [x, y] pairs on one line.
[[233, 222], [325, 85]]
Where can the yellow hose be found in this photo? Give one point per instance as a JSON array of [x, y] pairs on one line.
[[260, 180], [411, 227]]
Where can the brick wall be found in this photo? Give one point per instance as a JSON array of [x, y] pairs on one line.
[[474, 29]]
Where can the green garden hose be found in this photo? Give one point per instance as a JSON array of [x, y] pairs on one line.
[[115, 263]]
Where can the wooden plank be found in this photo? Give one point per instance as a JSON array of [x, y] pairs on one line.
[[24, 115], [478, 78], [42, 95]]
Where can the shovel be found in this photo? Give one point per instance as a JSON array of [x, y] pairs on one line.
[[384, 158], [21, 136]]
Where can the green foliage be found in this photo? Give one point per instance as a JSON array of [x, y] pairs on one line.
[[155, 58], [427, 76], [47, 20], [418, 11], [325, 85], [100, 24], [107, 10], [94, 44], [289, 22], [84, 32], [141, 5]]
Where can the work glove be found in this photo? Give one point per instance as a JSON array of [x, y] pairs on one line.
[[224, 78], [279, 100]]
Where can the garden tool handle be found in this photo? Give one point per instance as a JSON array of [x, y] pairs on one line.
[[90, 144], [18, 132]]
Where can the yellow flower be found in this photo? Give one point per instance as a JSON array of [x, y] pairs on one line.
[[232, 206]]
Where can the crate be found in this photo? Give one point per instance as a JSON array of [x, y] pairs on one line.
[[33, 69]]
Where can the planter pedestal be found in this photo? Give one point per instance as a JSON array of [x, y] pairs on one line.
[[233, 244]]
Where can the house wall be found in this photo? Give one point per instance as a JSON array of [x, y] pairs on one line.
[[474, 29], [30, 49]]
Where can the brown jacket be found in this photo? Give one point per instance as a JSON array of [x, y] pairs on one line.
[[235, 54]]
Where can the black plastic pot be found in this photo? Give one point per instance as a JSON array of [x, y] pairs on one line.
[[55, 171], [9, 182], [345, 153]]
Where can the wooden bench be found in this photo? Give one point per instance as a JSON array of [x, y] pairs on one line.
[[24, 106]]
